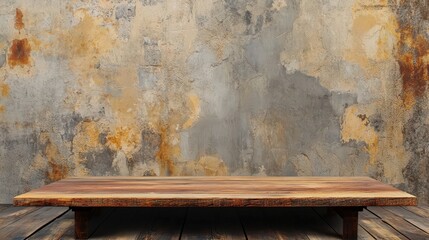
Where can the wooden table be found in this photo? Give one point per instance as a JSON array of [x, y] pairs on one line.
[[346, 195]]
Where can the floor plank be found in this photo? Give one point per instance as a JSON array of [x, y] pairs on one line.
[[61, 228], [285, 226], [125, 223], [12, 214], [422, 212], [4, 206], [259, 223], [395, 217], [406, 228], [365, 214], [167, 225], [31, 222], [285, 223], [363, 234], [402, 212], [142, 223], [212, 223], [215, 223], [380, 230], [254, 222], [422, 223], [381, 212]]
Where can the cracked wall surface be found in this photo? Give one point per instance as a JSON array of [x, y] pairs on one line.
[[214, 87]]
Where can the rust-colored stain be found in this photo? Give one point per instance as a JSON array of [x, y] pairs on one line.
[[19, 53], [4, 90], [19, 24], [166, 152], [2, 108], [412, 58], [124, 138], [414, 68], [56, 170]]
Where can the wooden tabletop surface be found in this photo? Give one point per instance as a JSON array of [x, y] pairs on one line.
[[228, 191]]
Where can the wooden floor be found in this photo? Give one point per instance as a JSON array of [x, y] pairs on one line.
[[214, 223]]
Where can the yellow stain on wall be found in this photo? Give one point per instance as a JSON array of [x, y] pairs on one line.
[[85, 43], [88, 38], [4, 90], [57, 169], [194, 109], [373, 36], [87, 137], [168, 122], [355, 126], [205, 166], [124, 139], [168, 150]]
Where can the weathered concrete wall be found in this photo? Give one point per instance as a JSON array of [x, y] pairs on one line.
[[213, 87]]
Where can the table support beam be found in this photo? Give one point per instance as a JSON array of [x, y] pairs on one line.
[[82, 216], [350, 216]]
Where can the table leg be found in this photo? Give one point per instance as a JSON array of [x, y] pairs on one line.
[[350, 216], [82, 217]]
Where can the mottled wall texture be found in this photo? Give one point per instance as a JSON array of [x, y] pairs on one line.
[[214, 87]]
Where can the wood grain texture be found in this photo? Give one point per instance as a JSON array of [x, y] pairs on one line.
[[32, 222], [142, 223], [62, 228], [168, 224], [421, 223], [212, 223], [406, 228], [380, 230], [216, 192], [126, 223], [12, 214], [285, 223], [4, 206], [257, 223], [419, 211]]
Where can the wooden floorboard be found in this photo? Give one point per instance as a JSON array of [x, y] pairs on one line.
[[50, 223], [168, 224], [422, 224], [422, 212], [4, 206], [126, 223], [61, 228], [212, 223], [405, 228], [32, 222], [380, 230], [403, 220], [12, 214], [285, 223], [142, 223], [402, 212]]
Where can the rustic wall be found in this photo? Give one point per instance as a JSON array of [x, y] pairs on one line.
[[213, 87]]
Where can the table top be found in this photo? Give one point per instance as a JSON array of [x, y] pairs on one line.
[[227, 191]]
